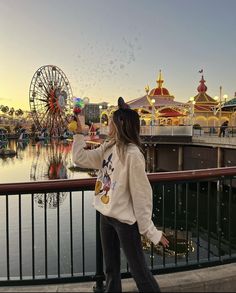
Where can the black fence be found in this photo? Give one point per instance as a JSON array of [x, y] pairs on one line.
[[50, 232]]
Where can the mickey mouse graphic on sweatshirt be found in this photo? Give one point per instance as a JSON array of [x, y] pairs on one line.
[[103, 183]]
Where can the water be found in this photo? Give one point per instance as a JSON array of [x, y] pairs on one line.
[[43, 160]]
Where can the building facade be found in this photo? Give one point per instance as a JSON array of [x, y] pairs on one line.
[[158, 107], [208, 111]]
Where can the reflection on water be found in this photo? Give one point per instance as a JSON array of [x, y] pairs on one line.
[[51, 199], [39, 161], [50, 160]]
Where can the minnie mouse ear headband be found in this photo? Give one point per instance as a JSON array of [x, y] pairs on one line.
[[122, 104]]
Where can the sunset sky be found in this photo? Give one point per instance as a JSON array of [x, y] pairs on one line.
[[112, 48]]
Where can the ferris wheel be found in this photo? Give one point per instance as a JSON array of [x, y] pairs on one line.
[[50, 98]]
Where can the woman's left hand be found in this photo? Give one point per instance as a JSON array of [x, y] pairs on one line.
[[164, 241]]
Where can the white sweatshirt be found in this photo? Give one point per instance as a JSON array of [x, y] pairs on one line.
[[122, 190]]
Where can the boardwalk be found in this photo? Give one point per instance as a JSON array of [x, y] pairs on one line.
[[229, 142], [216, 279]]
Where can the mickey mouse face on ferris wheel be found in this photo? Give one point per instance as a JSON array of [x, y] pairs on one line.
[[61, 101], [64, 94], [57, 93], [61, 97]]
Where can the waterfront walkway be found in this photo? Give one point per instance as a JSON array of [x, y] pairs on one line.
[[227, 142], [215, 279]]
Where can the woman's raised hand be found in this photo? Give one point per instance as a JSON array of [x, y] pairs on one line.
[[79, 125]]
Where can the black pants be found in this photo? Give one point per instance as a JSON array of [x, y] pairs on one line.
[[114, 235], [222, 131]]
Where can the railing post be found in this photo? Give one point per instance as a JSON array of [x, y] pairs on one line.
[[99, 276], [218, 214]]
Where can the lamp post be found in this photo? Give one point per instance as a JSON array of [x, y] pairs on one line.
[[191, 99], [153, 111], [147, 92], [108, 108], [100, 116], [220, 104], [153, 117]]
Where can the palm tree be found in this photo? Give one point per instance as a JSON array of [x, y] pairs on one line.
[[19, 112], [11, 111], [5, 109]]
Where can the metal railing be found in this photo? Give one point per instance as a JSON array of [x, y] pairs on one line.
[[158, 130], [50, 232], [214, 131], [180, 130], [167, 130]]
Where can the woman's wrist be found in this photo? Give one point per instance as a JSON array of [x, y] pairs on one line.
[[80, 132]]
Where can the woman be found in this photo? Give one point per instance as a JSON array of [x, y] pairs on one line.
[[123, 196]]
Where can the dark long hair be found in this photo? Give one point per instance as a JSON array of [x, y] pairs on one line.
[[127, 126]]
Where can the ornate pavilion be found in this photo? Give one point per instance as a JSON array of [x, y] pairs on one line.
[[208, 111], [230, 107], [158, 107]]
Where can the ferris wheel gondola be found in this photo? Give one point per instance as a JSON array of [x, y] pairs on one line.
[[50, 98]]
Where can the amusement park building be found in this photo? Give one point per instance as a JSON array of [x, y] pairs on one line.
[[158, 106], [230, 107], [208, 111]]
